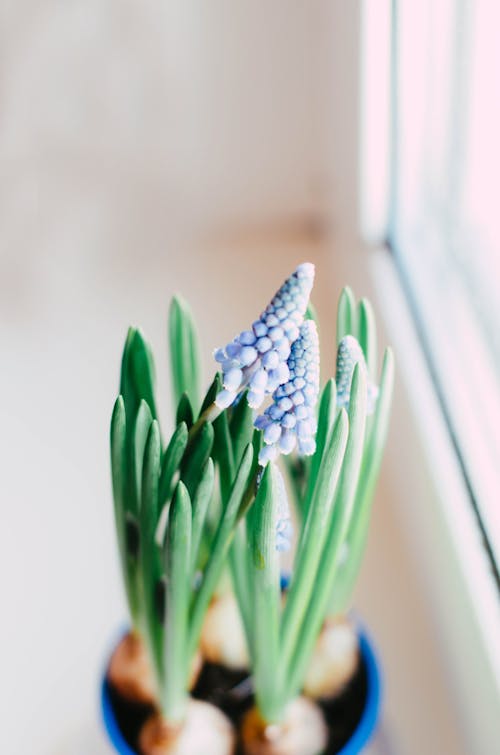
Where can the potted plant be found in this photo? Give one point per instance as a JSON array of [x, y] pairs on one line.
[[214, 501]]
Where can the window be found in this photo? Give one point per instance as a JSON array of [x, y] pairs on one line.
[[444, 220]]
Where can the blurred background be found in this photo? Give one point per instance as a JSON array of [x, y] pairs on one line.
[[152, 148]]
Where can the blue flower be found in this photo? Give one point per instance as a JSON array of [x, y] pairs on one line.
[[290, 421], [349, 353], [257, 358]]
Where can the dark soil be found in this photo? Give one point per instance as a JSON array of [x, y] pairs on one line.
[[232, 692], [130, 717], [343, 713]]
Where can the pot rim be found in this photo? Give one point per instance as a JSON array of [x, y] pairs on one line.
[[369, 718], [358, 740]]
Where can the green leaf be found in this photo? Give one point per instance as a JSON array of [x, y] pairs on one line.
[[141, 373], [228, 453], [131, 401], [119, 481], [201, 502], [380, 425], [238, 556], [118, 461], [132, 538], [150, 561], [212, 392], [196, 456], [298, 470], [171, 461], [178, 590], [136, 385], [344, 497], [127, 387], [241, 427], [151, 360], [266, 597], [348, 570], [337, 528], [326, 419], [223, 454], [257, 443], [143, 422], [222, 540], [184, 411], [370, 469], [346, 314], [313, 536], [367, 335], [184, 353]]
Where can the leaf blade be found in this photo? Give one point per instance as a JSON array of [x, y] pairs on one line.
[[358, 528], [346, 314], [266, 597], [150, 562], [337, 528], [185, 360], [201, 502], [196, 455], [171, 461], [178, 572], [118, 452], [313, 536], [367, 335]]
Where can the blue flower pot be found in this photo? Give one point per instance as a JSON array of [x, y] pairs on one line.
[[356, 744]]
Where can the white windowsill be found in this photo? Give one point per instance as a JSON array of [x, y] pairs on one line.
[[441, 525]]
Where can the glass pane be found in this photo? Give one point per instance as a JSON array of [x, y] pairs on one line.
[[445, 220]]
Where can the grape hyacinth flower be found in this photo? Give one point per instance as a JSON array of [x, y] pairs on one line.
[[291, 420], [257, 358], [349, 353]]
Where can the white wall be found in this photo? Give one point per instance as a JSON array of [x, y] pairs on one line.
[[209, 112]]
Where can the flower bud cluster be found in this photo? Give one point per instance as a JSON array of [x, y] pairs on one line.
[[257, 358], [349, 354], [290, 421]]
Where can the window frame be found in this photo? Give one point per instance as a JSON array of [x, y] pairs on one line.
[[441, 520], [460, 387]]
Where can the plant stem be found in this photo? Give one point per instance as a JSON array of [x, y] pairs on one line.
[[209, 415]]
